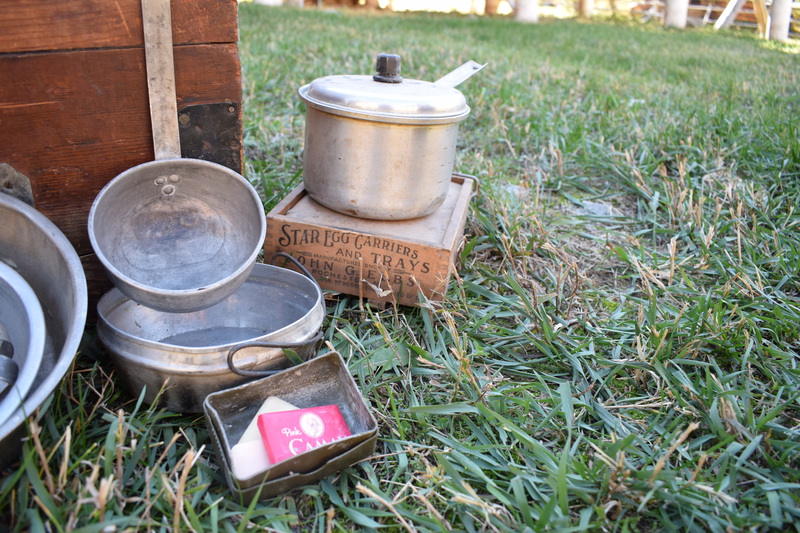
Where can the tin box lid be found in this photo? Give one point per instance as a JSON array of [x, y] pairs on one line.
[[386, 97]]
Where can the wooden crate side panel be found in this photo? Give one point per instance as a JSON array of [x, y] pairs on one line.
[[97, 284], [71, 121], [361, 264], [437, 289], [455, 230], [38, 25]]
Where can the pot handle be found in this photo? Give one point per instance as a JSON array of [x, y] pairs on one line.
[[6, 348], [8, 367], [296, 263], [306, 345], [160, 67], [461, 74], [474, 180], [16, 184], [8, 374]]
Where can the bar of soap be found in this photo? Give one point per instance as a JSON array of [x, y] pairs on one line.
[[273, 404], [248, 459], [248, 456], [292, 432]]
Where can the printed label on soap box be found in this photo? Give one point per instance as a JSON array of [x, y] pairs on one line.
[[289, 433]]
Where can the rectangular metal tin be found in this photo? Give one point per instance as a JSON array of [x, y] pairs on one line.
[[324, 380]]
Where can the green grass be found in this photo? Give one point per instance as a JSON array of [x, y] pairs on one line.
[[619, 350]]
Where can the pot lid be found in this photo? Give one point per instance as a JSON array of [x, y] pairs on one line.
[[386, 97]]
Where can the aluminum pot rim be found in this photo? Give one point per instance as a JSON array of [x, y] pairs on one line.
[[109, 333], [116, 298], [188, 370], [175, 295]]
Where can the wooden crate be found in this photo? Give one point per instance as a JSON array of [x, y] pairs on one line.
[[74, 108], [389, 261]]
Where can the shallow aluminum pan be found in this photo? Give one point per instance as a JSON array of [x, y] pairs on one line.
[[35, 247], [187, 354], [324, 380]]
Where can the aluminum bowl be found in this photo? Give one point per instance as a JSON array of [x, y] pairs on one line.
[[35, 247], [181, 250], [186, 354]]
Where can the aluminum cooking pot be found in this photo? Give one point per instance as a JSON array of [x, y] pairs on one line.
[[382, 147], [193, 354], [175, 234], [36, 247]]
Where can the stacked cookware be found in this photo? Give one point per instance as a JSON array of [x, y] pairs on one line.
[[191, 312], [43, 302]]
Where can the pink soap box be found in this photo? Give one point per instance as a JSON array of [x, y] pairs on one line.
[[286, 434], [339, 430]]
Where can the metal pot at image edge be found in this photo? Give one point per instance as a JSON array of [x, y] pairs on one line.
[[34, 245]]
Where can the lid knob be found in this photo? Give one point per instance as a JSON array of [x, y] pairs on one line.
[[388, 67]]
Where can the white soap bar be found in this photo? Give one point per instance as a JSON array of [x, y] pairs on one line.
[[248, 459], [248, 456], [273, 404]]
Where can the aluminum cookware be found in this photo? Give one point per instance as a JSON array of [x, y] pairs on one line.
[[325, 380], [35, 247], [175, 234], [22, 333], [382, 147], [187, 354]]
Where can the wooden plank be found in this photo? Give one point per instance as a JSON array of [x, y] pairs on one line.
[[71, 121], [762, 18], [743, 15], [38, 25], [97, 284], [729, 14]]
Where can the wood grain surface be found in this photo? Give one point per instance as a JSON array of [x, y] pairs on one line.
[[38, 25]]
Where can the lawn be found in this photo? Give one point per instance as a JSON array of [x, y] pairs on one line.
[[618, 351]]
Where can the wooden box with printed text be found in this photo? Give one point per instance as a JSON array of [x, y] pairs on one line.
[[389, 261]]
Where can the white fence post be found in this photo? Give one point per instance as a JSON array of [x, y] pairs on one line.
[[781, 15], [526, 11], [676, 13]]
